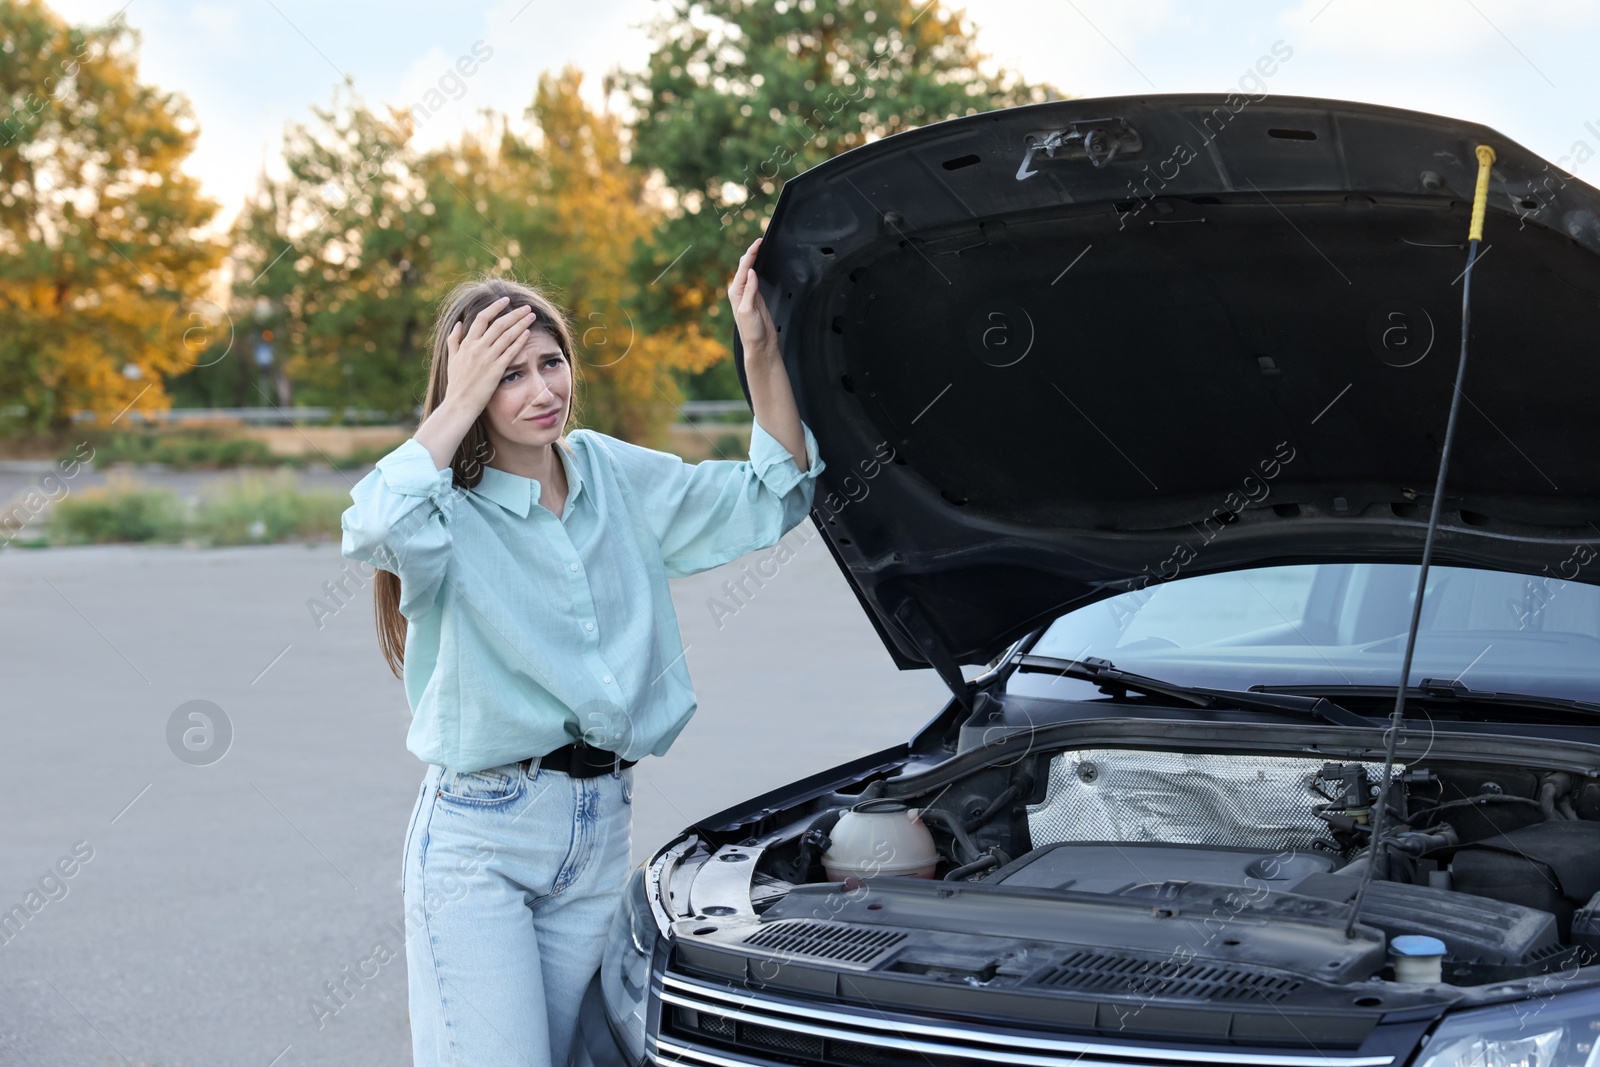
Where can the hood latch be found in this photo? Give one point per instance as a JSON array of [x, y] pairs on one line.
[[1097, 140]]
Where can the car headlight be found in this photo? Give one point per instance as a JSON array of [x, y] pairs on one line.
[[1558, 1030], [625, 967]]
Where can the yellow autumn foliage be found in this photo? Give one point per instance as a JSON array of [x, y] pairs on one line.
[[103, 279], [583, 242]]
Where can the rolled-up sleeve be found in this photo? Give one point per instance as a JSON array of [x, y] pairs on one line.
[[706, 514], [400, 521]]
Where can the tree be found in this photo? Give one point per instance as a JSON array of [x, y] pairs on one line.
[[101, 263], [580, 212], [338, 256], [353, 250], [739, 95]]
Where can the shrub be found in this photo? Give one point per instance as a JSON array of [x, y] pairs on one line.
[[186, 449], [251, 509], [243, 451], [362, 457], [120, 510], [257, 508], [729, 446]]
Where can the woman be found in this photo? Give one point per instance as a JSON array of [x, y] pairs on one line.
[[524, 593]]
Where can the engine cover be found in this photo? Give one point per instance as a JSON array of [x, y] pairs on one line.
[[1094, 867], [1485, 940]]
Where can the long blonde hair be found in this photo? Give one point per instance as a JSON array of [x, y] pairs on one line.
[[462, 304]]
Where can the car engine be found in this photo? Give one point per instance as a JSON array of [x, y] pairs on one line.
[[1501, 864]]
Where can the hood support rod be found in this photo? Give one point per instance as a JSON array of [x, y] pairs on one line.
[[1376, 855], [916, 626]]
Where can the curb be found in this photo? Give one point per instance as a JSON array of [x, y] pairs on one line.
[[28, 466]]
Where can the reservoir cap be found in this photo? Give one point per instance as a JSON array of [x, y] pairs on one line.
[[1416, 945]]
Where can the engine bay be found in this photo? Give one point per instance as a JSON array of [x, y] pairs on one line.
[[1086, 852]]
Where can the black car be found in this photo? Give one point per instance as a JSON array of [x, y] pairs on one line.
[[1140, 403]]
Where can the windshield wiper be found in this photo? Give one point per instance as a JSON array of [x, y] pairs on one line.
[[1441, 689], [1117, 683]]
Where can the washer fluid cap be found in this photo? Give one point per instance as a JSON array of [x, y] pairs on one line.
[[1417, 945], [1418, 958]]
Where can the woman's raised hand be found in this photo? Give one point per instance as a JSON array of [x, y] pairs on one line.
[[757, 333], [479, 356]]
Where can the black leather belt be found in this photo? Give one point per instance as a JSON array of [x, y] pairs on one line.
[[582, 761]]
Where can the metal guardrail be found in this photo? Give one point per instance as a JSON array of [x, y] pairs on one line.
[[250, 416], [699, 409], [691, 411]]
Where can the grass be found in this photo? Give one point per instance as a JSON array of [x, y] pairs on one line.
[[253, 509]]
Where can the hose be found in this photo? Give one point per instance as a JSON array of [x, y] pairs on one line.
[[983, 863], [1553, 796], [1415, 843], [1356, 868], [969, 848], [813, 843], [1000, 801], [1477, 801]]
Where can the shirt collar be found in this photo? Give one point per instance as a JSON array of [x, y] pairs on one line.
[[520, 495]]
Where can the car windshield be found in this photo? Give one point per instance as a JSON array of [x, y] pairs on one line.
[[1345, 624]]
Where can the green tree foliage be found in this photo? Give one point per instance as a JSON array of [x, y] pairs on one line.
[[100, 262], [740, 95], [335, 260], [349, 255], [339, 264], [579, 212]]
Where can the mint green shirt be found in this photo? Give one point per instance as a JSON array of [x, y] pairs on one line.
[[527, 631]]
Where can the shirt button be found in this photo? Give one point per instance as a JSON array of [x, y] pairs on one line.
[[606, 679], [588, 626], [572, 566]]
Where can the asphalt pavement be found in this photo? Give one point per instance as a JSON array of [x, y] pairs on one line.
[[210, 907]]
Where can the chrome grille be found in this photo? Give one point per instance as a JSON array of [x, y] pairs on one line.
[[706, 1025]]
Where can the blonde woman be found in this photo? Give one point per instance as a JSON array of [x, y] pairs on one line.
[[523, 599]]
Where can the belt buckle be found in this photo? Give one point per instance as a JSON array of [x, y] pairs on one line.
[[587, 763]]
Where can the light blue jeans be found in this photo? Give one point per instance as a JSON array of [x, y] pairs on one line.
[[510, 880]]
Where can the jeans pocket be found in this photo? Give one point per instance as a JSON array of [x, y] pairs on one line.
[[493, 785]]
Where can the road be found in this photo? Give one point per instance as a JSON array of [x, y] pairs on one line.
[[208, 905]]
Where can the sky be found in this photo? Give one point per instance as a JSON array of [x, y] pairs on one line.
[[1523, 67]]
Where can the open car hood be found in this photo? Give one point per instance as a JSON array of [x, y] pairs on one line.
[[1222, 335]]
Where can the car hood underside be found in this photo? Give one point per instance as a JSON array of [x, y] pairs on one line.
[[1224, 335]]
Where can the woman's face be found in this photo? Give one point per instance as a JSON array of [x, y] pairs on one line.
[[529, 406]]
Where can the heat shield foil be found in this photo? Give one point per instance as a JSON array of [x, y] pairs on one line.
[[1181, 798]]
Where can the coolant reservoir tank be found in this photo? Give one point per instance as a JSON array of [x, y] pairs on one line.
[[878, 837]]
